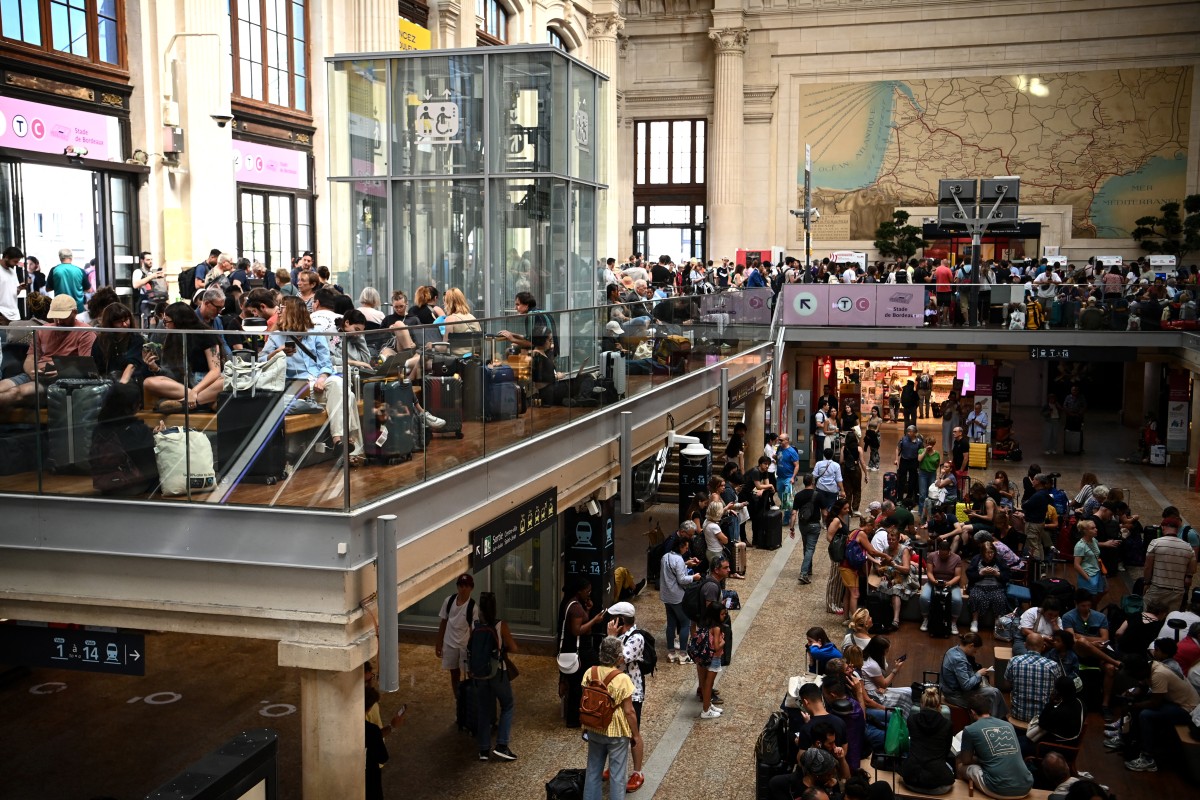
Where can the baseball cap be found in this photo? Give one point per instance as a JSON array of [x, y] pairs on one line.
[[464, 580], [62, 307], [874, 506], [622, 610]]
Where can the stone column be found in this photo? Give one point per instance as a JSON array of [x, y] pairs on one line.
[[756, 412], [603, 30], [377, 27], [332, 736], [726, 142], [444, 20]]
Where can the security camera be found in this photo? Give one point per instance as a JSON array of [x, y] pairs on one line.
[[222, 119], [813, 214], [694, 451]]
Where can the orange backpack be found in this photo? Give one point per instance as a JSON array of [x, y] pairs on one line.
[[595, 705]]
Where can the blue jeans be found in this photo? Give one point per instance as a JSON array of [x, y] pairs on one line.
[[924, 481], [1161, 719], [811, 533], [487, 692], [677, 619], [875, 735], [614, 749], [955, 601]]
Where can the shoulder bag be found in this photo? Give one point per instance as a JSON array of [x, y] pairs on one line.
[[239, 375], [568, 663]]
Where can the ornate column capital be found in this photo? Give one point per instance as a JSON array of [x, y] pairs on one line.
[[605, 26], [730, 40]]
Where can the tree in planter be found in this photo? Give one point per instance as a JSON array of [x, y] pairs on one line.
[[1171, 234], [898, 239]]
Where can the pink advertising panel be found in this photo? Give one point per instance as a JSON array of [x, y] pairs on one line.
[[40, 128], [859, 305], [899, 306], [270, 166]]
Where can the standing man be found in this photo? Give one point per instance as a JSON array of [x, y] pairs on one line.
[[1074, 406], [200, 276], [908, 451], [9, 281], [924, 392], [787, 460], [1170, 564], [820, 418], [909, 402], [977, 424], [943, 277], [678, 569], [66, 278], [611, 744], [1034, 507], [633, 643], [150, 284], [457, 618]]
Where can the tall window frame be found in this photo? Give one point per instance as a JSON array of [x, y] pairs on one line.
[[493, 18], [670, 190], [269, 44], [79, 32]]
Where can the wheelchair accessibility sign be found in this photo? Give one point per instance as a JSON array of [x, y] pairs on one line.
[[437, 122]]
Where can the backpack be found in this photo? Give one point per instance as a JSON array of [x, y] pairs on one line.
[[856, 556], [901, 276], [1035, 316], [693, 600], [483, 651], [837, 546], [595, 705], [187, 284], [772, 742], [470, 608], [649, 662], [806, 514]]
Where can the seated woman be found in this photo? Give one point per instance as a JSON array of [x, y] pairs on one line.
[[1002, 490], [459, 322], [820, 650], [189, 373], [988, 580], [926, 769], [1060, 720], [860, 629], [892, 574], [119, 355], [357, 352], [880, 676], [554, 388], [308, 359]]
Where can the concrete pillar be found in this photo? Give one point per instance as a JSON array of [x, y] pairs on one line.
[[756, 429], [726, 141], [377, 28], [602, 30], [332, 738]]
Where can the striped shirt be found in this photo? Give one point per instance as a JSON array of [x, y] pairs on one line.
[[1172, 560]]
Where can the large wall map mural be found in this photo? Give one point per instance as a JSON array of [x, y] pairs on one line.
[[1111, 143]]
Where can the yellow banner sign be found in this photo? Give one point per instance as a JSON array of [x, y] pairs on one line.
[[413, 36]]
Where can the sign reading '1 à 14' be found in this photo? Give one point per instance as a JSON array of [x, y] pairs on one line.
[[40, 128]]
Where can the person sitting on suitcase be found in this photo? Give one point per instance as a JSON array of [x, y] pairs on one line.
[[537, 323], [943, 568], [60, 338]]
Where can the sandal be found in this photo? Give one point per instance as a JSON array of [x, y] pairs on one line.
[[635, 782]]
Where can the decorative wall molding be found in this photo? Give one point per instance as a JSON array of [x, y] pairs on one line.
[[665, 8], [37, 84], [683, 99], [605, 26], [758, 103]]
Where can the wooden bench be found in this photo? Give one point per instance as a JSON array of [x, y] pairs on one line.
[[293, 423], [961, 790], [24, 416]]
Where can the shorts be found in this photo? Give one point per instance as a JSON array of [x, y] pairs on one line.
[[1096, 584], [975, 775], [944, 298], [849, 577], [714, 665], [453, 657], [785, 491]]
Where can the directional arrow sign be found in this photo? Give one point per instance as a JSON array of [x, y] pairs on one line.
[[72, 648], [805, 304]]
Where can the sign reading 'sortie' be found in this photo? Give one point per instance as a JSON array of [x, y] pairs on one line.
[[41, 128]]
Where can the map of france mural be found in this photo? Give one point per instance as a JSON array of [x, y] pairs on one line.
[[1111, 143]]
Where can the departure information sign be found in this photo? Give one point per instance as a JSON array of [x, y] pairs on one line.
[[73, 648]]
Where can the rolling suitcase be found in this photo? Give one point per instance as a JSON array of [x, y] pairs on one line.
[[1073, 442], [502, 396], [939, 613], [891, 490], [739, 557], [388, 424], [19, 448], [763, 773], [250, 437], [612, 372], [771, 536], [121, 459], [73, 408], [444, 398], [472, 390]]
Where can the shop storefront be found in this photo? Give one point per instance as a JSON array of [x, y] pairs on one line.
[[275, 202], [65, 183]]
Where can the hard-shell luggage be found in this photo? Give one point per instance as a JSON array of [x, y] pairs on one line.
[[1158, 455], [465, 714], [502, 395], [771, 535], [185, 462], [1056, 314], [121, 458], [388, 423], [1072, 442], [739, 557], [1119, 314], [73, 408], [612, 372], [472, 390], [444, 398], [250, 437], [939, 613], [891, 487]]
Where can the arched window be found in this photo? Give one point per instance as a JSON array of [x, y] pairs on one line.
[[555, 38], [493, 26]]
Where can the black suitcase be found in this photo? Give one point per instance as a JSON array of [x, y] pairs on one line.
[[388, 424], [502, 395], [566, 785], [891, 489], [73, 408], [121, 459], [444, 398], [466, 713], [771, 536], [19, 448], [939, 613], [472, 390], [250, 437], [1072, 442]]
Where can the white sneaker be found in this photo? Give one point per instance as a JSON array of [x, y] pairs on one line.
[[954, 629], [671, 657], [925, 624], [437, 423], [712, 713], [974, 626], [684, 658]]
